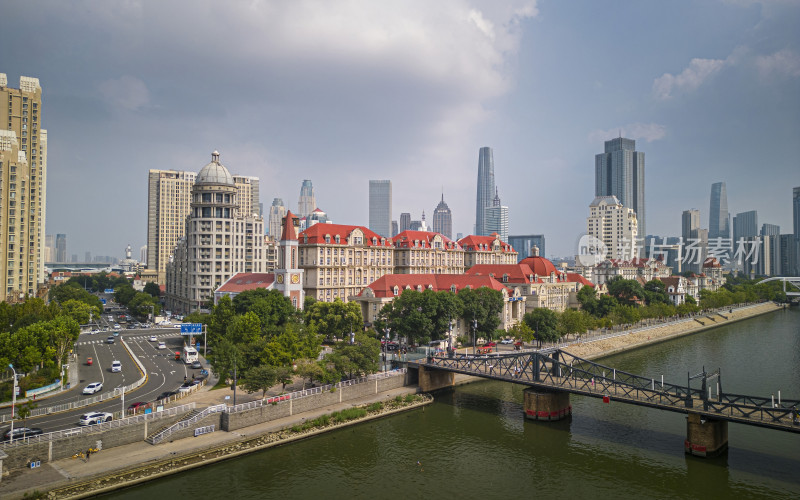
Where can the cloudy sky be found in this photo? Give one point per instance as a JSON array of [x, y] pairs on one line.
[[342, 92]]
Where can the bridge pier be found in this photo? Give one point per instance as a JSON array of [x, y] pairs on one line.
[[431, 379], [705, 437], [546, 405]]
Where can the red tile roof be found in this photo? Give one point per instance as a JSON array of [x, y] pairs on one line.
[[384, 286], [414, 239], [241, 282], [578, 278], [474, 243], [316, 234], [289, 232], [517, 273]]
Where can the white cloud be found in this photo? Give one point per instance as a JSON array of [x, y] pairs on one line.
[[689, 79], [126, 92], [780, 64], [648, 132]]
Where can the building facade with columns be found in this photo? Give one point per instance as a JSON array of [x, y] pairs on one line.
[[424, 252], [486, 250]]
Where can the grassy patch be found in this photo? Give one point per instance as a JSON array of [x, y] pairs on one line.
[[220, 385]]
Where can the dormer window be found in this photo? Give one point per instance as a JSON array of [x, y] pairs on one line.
[[337, 239], [396, 290], [505, 278], [453, 288], [328, 239]]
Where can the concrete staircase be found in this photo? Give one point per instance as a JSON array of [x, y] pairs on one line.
[[151, 438], [187, 421]]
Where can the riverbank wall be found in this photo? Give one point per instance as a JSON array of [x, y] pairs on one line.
[[661, 333]]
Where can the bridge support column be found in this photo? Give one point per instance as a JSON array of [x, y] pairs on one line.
[[705, 437], [546, 405], [432, 379]]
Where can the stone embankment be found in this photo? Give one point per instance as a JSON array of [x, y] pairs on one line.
[[660, 333], [141, 473]]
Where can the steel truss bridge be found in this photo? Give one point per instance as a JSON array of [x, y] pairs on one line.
[[558, 370]]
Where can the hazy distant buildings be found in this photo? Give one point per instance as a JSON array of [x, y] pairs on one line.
[[23, 158], [718, 218], [695, 241], [61, 248], [405, 222], [796, 222], [380, 207], [307, 201], [496, 218], [395, 229], [277, 211], [614, 225], [745, 225], [443, 219], [524, 245], [486, 190], [619, 171]]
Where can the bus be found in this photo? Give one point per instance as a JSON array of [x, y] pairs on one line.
[[190, 355]]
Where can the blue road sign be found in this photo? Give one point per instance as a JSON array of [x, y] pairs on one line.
[[103, 301], [108, 290], [191, 328]]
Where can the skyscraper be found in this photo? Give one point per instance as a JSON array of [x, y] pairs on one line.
[[307, 202], [443, 219], [169, 197], [380, 207], [719, 221], [405, 222], [613, 224], [486, 190], [276, 214], [496, 218], [61, 248], [796, 213], [619, 171], [745, 225], [695, 241], [23, 156], [524, 244]]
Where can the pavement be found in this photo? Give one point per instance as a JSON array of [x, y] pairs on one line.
[[65, 471]]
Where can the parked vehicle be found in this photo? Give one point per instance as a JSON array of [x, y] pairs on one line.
[[137, 406], [507, 341], [166, 394], [162, 345], [96, 417], [196, 365]]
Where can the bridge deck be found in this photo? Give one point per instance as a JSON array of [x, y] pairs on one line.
[[560, 371]]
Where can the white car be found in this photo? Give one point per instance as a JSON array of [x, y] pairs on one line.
[[116, 366], [93, 388], [162, 345], [116, 326], [507, 341], [95, 417], [176, 325], [94, 331], [153, 338]]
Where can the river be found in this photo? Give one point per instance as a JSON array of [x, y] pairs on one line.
[[474, 443]]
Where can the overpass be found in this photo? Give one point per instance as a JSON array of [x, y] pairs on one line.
[[552, 375], [795, 282]]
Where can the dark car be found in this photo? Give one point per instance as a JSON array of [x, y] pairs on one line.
[[166, 394], [196, 365], [110, 340], [22, 432]]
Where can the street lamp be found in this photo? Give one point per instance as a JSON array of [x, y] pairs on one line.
[[13, 402], [474, 332]]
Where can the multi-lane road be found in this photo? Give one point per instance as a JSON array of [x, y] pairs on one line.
[[164, 373]]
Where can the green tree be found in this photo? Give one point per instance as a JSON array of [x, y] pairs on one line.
[[259, 378], [544, 324], [124, 293], [587, 296], [81, 312], [152, 289], [272, 307], [655, 292], [572, 322], [308, 369], [221, 316], [483, 305], [625, 291], [142, 304], [335, 319], [522, 332], [355, 359]]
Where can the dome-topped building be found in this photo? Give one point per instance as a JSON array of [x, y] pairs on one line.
[[539, 265], [214, 173]]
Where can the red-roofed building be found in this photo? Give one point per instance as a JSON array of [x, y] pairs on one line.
[[424, 252], [538, 281], [386, 288], [675, 286], [486, 250], [242, 282], [340, 260]]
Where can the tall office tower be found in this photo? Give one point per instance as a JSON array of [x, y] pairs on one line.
[[524, 245], [443, 219], [61, 248], [220, 241], [719, 221], [694, 246], [49, 248], [745, 225], [169, 197], [307, 202], [380, 207], [405, 222], [613, 224], [23, 176], [496, 218], [486, 189], [796, 213], [394, 228], [620, 172], [276, 214], [770, 229]]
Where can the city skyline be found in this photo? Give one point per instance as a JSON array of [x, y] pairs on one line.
[[688, 102]]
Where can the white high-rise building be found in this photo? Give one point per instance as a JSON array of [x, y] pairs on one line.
[[615, 225], [221, 239], [277, 211], [496, 218], [307, 201]]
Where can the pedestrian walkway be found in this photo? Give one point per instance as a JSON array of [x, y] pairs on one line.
[[62, 472]]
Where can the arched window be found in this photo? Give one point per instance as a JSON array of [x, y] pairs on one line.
[[453, 288], [396, 290]]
